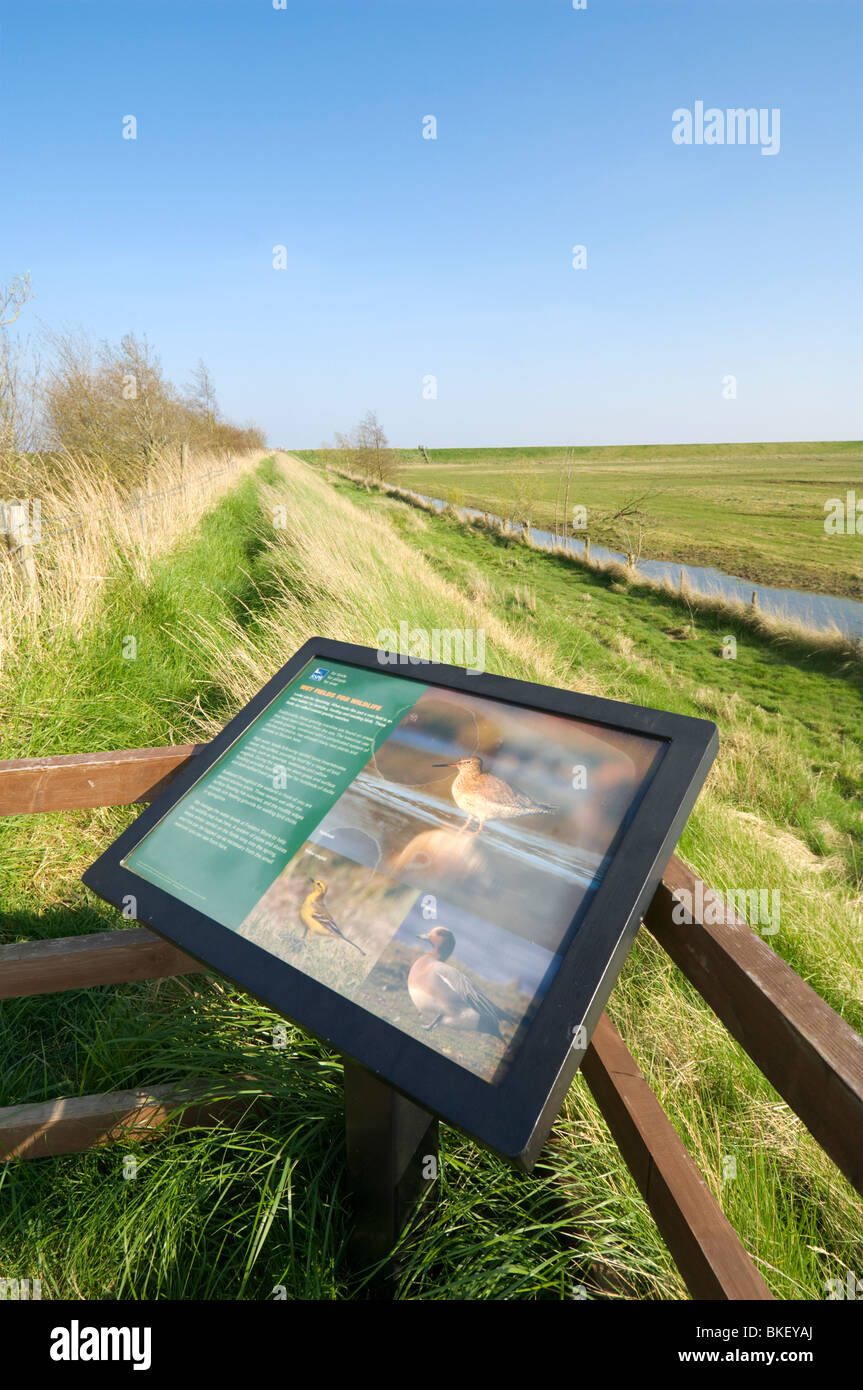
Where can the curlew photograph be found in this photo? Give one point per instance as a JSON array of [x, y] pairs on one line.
[[511, 813]]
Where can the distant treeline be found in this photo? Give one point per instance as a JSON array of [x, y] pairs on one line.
[[100, 403]]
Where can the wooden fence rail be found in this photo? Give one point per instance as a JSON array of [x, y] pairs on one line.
[[808, 1052], [810, 1055]]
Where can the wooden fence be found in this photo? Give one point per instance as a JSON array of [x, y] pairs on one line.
[[806, 1051]]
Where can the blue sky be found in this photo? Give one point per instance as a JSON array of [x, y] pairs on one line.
[[451, 257]]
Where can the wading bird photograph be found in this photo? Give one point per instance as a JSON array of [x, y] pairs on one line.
[[482, 796], [520, 830]]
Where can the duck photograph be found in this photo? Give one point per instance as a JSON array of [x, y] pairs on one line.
[[460, 985]]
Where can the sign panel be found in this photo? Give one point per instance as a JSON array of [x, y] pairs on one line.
[[407, 859]]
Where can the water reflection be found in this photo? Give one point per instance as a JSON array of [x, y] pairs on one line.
[[822, 611]]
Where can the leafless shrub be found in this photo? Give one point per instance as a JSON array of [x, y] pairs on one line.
[[366, 451], [18, 387]]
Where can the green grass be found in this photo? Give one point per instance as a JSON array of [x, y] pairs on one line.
[[793, 723], [84, 693], [753, 510], [234, 1213]]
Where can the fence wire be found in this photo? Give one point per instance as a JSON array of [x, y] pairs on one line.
[[136, 503]]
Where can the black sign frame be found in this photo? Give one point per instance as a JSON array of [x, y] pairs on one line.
[[511, 1117]]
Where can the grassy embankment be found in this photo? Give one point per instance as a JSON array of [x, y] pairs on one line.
[[753, 510], [211, 1215], [627, 576]]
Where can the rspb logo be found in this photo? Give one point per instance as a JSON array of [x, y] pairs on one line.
[[318, 673]]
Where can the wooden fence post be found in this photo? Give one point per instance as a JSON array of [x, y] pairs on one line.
[[18, 534]]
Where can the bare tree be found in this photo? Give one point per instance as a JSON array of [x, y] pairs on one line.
[[630, 521], [518, 504], [114, 403], [201, 394], [18, 394], [344, 450], [13, 297], [561, 523], [111, 404], [78, 409], [151, 406], [371, 451]]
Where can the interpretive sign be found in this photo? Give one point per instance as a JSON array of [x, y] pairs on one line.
[[437, 871]]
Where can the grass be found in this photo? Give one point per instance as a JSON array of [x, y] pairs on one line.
[[233, 1214], [76, 692], [753, 510], [844, 651]]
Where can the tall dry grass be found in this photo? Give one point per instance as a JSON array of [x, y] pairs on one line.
[[339, 573], [87, 521]]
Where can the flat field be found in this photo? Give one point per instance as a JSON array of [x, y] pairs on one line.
[[753, 510]]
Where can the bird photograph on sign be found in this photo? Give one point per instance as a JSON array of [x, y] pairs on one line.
[[444, 884], [486, 797], [328, 917], [494, 808], [460, 984]]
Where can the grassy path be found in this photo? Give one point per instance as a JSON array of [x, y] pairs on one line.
[[233, 1216]]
